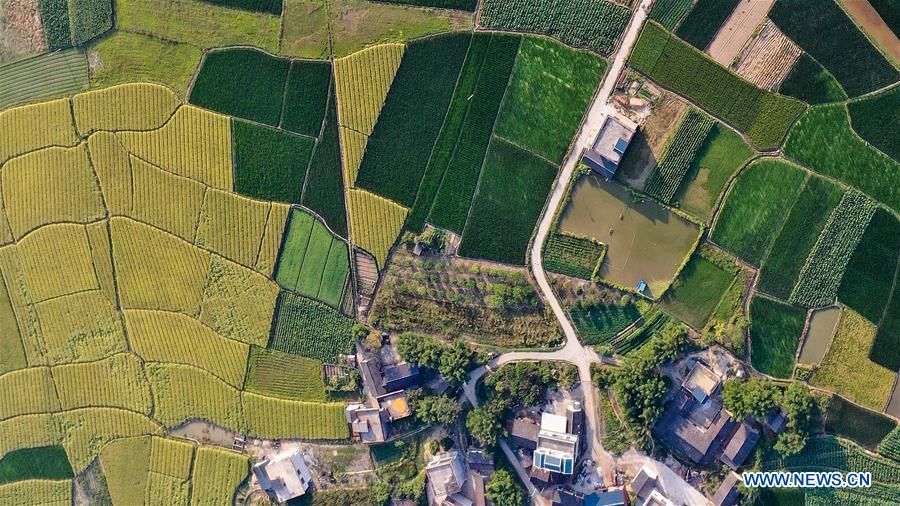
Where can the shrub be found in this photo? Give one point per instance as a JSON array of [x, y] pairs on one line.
[[573, 256], [465, 5], [55, 20], [89, 18]]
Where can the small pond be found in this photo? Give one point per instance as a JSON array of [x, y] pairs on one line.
[[821, 330]]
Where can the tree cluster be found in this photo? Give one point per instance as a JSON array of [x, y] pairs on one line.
[[453, 362], [759, 397]]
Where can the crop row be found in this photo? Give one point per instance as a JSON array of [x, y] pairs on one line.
[[890, 445], [832, 454], [43, 76], [309, 328], [375, 222], [285, 375], [704, 20], [821, 275], [670, 12], [666, 178], [765, 117], [599, 323], [74, 22], [573, 256], [593, 24]]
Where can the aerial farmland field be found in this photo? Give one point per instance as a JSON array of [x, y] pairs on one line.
[[350, 252]]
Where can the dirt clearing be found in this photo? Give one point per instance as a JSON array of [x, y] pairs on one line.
[[21, 32], [872, 24], [737, 30]]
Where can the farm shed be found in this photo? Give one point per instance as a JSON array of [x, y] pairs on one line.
[[610, 145]]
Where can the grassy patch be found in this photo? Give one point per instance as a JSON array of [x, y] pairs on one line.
[[847, 368], [89, 18], [43, 463], [242, 82], [401, 142], [549, 91], [782, 267], [356, 24], [877, 119], [764, 117], [811, 83], [721, 155], [454, 197], [775, 328], [198, 23], [123, 57], [865, 286], [704, 20], [802, 21], [697, 291], [44, 76], [510, 198], [824, 141], [285, 375], [573, 256], [755, 208], [269, 164], [680, 151], [304, 29], [598, 323], [311, 329], [324, 191], [306, 97], [866, 428], [312, 262], [269, 6], [593, 24], [617, 437]]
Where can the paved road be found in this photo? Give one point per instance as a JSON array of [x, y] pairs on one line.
[[573, 352]]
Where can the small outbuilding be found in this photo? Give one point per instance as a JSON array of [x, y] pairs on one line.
[[285, 477]]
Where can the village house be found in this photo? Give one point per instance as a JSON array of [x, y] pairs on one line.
[[446, 478], [609, 146], [285, 477]]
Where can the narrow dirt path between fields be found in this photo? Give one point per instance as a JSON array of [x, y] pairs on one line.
[[737, 30]]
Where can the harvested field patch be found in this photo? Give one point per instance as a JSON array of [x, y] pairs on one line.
[[865, 287], [764, 117], [697, 291], [738, 28], [811, 83], [775, 329], [755, 208], [238, 303], [781, 267], [802, 21], [269, 164], [362, 81], [160, 336], [285, 375], [847, 368], [454, 197], [356, 24], [592, 24], [511, 195], [243, 82], [768, 59], [23, 34], [401, 142], [549, 92], [824, 141], [721, 155], [198, 23], [324, 189], [156, 270], [311, 329], [375, 223], [306, 97], [64, 179], [44, 76], [703, 21], [194, 143], [639, 230], [313, 262], [123, 57], [875, 118]]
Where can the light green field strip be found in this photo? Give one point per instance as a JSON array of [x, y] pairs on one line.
[[159, 336], [44, 76], [117, 381], [36, 492], [35, 126], [65, 182], [137, 106], [195, 143], [362, 81]]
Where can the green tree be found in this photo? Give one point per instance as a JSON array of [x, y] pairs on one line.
[[484, 424], [419, 349], [640, 390], [502, 490], [790, 443], [752, 397], [455, 362], [438, 409]]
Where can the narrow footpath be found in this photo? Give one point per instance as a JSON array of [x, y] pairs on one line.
[[573, 352]]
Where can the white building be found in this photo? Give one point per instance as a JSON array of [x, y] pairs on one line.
[[557, 447], [285, 477]]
